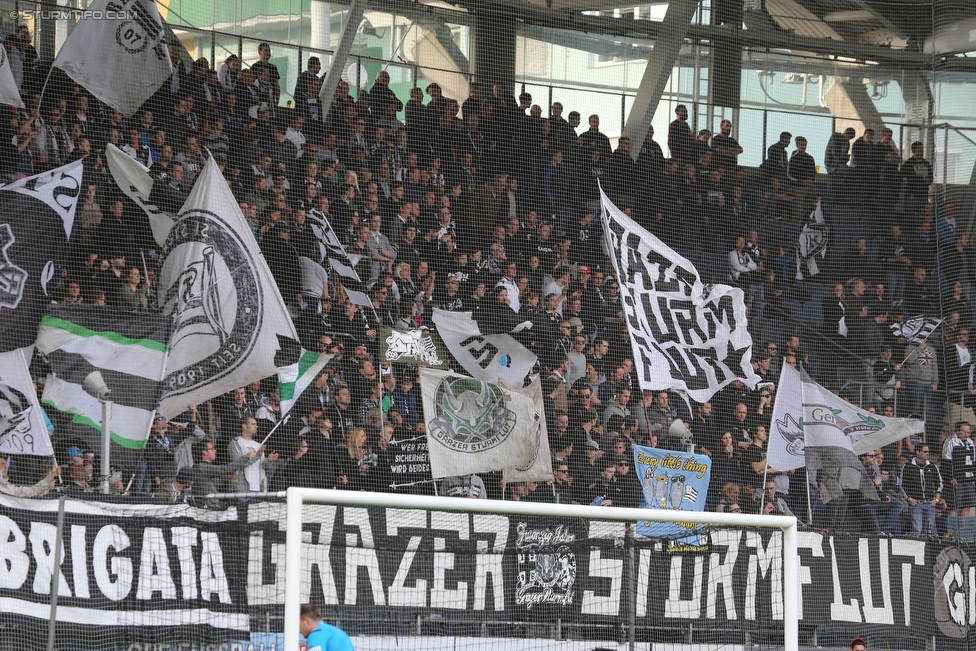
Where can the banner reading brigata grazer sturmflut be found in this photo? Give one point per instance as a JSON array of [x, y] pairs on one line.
[[130, 572], [675, 481], [685, 334]]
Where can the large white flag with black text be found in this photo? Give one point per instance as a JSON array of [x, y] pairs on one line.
[[226, 307], [486, 357], [475, 426], [120, 58], [685, 334]]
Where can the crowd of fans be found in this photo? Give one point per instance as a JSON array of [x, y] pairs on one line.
[[485, 205]]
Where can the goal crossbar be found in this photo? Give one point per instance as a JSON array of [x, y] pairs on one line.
[[297, 497]]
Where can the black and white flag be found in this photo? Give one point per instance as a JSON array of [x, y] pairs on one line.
[[126, 43], [685, 334], [22, 428], [811, 245], [36, 217], [9, 94], [486, 357], [916, 329], [135, 183], [166, 573], [226, 307], [331, 248]]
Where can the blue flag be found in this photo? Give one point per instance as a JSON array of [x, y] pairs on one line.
[[677, 481]]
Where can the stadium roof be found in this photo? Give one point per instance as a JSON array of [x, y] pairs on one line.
[[902, 32]]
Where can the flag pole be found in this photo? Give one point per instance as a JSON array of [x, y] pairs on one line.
[[762, 500], [106, 468], [275, 428], [50, 69], [809, 506], [915, 351]]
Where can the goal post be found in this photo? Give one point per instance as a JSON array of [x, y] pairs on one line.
[[298, 497]]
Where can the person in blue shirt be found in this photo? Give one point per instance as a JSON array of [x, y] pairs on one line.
[[319, 635]]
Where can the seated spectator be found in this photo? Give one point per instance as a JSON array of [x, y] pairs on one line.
[[730, 499]]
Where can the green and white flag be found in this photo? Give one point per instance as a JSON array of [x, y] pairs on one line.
[[475, 426], [295, 378], [420, 347], [92, 348]]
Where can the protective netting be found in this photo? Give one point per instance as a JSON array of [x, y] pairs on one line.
[[438, 204]]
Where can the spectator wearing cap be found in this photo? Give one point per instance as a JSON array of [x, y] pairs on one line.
[[586, 469], [882, 381], [80, 467], [177, 489]]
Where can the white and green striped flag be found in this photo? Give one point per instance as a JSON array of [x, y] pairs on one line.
[[94, 346], [295, 378]]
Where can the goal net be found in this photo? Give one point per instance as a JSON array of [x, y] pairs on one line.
[[441, 573]]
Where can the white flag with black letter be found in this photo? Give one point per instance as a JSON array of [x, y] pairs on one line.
[[122, 58], [226, 307], [475, 426], [22, 428], [486, 357], [685, 334], [811, 245]]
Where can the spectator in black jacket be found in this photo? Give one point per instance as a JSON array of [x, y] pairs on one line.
[[921, 482]]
